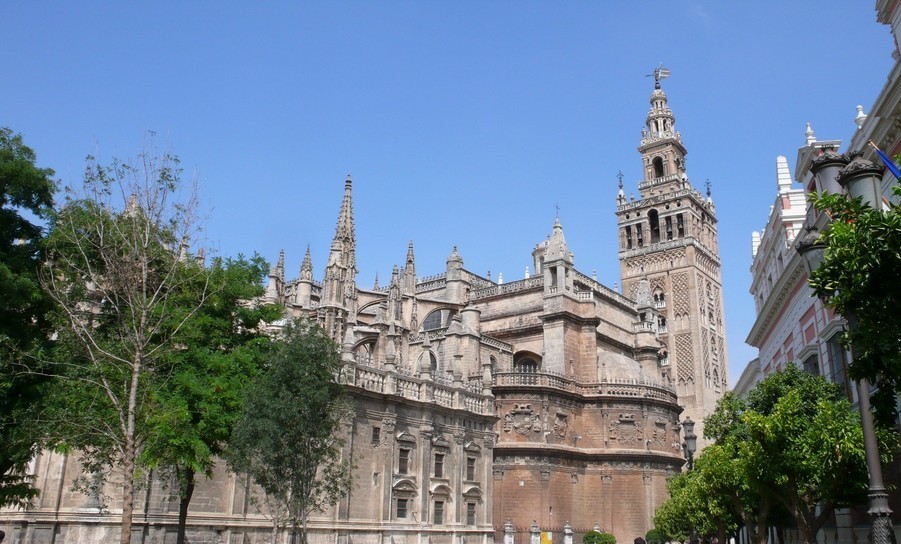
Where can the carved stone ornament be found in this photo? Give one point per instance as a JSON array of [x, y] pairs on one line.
[[560, 424], [660, 433], [388, 423], [626, 429], [522, 419]]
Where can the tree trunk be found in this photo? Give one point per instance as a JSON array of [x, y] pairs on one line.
[[128, 463], [763, 529], [128, 490], [186, 491], [303, 528], [721, 533]]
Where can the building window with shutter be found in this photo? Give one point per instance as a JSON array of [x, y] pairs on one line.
[[402, 508], [470, 513], [439, 465], [471, 468], [403, 461], [438, 513]]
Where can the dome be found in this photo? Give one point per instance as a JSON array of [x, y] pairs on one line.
[[616, 368]]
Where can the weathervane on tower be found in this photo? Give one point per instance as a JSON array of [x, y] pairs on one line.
[[659, 73]]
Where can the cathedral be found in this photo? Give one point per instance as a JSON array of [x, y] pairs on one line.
[[484, 410]]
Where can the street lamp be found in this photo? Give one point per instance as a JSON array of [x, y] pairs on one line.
[[691, 441], [861, 178]]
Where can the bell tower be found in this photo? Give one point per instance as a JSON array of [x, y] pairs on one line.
[[668, 235]]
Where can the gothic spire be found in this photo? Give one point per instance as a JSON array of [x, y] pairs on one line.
[[556, 246], [306, 267], [345, 228], [279, 268], [339, 285], [409, 286]]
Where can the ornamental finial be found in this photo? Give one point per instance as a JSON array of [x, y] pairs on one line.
[[659, 73]]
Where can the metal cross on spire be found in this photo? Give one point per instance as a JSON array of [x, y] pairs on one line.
[[708, 187], [557, 207], [620, 176]]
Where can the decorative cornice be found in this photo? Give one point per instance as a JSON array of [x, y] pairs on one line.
[[669, 244], [775, 302]]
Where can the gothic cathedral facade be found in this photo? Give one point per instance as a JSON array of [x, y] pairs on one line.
[[484, 409]]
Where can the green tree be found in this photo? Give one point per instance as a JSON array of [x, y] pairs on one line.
[[860, 276], [699, 503], [732, 470], [654, 536], [806, 443], [26, 196], [793, 451], [800, 444], [221, 346], [290, 437], [117, 270], [595, 537]]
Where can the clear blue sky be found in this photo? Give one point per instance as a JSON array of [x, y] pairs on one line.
[[462, 122]]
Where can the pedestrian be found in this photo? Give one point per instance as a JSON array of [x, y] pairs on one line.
[[640, 540]]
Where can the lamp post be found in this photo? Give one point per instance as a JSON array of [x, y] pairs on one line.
[[860, 178], [691, 441]]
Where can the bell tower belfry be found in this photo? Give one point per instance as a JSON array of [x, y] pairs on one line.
[[669, 236]]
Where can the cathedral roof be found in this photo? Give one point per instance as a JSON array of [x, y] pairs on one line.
[[616, 368]]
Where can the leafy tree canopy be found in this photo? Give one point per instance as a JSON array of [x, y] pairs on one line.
[[124, 284], [290, 437], [860, 275], [220, 350], [26, 197]]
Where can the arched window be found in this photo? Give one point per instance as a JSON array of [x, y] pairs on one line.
[[526, 365], [654, 220], [363, 353], [658, 167], [437, 319], [433, 363]]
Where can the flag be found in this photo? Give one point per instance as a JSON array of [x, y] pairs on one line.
[[662, 72], [889, 163]]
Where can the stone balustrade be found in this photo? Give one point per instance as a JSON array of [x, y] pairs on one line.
[[511, 287], [643, 326], [623, 388], [593, 284], [658, 181], [495, 343], [440, 390]]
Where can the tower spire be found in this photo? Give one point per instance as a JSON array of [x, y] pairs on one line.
[[306, 267], [339, 291], [661, 145], [409, 282]]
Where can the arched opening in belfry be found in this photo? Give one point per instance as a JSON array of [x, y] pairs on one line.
[[658, 167], [654, 220]]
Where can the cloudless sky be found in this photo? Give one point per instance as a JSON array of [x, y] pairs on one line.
[[461, 122]]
